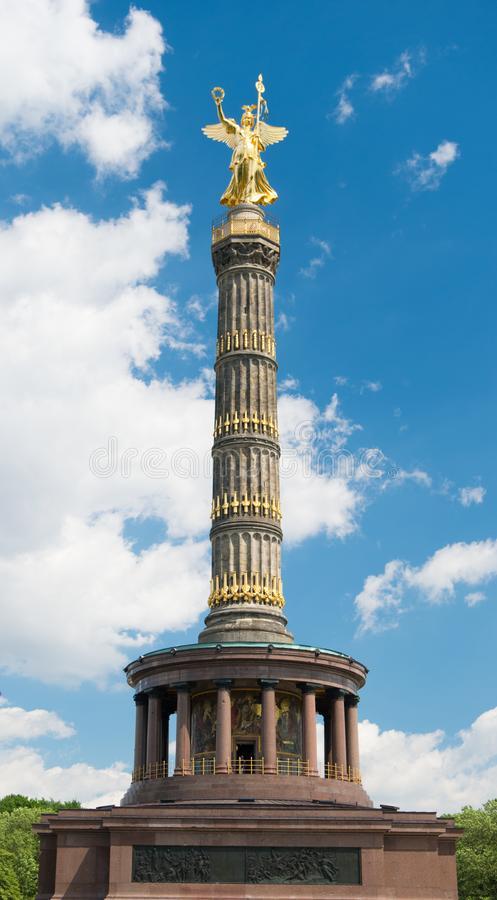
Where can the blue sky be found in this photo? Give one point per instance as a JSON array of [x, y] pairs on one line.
[[384, 298]]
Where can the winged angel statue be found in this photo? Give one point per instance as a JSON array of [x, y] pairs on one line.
[[247, 140]]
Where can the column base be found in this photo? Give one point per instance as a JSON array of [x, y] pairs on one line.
[[247, 622]]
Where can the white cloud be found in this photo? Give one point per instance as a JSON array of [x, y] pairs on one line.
[[400, 476], [471, 495], [382, 599], [342, 427], [445, 154], [27, 724], [426, 772], [474, 597], [23, 770], [316, 495], [341, 380], [75, 325], [76, 609], [344, 109], [72, 82], [390, 81], [288, 384], [424, 173], [373, 386], [284, 322], [317, 262], [199, 306]]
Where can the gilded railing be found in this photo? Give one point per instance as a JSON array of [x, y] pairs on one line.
[[342, 773], [224, 229], [151, 770], [205, 764], [288, 766]]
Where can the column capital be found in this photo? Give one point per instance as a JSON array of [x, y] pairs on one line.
[[352, 699], [308, 687], [223, 682], [154, 693], [268, 682], [182, 686], [140, 698], [338, 694]]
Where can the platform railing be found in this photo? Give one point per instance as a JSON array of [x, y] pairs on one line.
[[285, 765], [342, 773], [205, 764], [151, 770]]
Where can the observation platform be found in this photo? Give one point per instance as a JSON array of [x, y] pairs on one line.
[[246, 723]]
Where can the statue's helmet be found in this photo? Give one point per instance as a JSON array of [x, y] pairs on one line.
[[248, 115]]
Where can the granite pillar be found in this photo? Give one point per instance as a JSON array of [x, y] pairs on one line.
[[183, 761], [223, 726], [269, 725], [352, 734], [154, 723], [328, 755], [140, 730], [164, 734], [338, 739], [310, 746]]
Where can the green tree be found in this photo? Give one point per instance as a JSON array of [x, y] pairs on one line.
[[19, 842], [9, 885], [14, 801], [477, 852]]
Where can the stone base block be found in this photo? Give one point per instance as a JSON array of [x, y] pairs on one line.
[[248, 850]]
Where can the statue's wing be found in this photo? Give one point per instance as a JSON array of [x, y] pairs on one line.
[[226, 133], [271, 134]]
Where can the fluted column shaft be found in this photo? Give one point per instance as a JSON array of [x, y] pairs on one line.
[[223, 726], [246, 513], [309, 727], [140, 730], [352, 733], [338, 739], [269, 725], [183, 762], [154, 726]]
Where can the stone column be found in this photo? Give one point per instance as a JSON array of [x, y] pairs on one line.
[[183, 761], [338, 742], [328, 756], [269, 725], [140, 730], [164, 735], [352, 733], [246, 595], [154, 727], [223, 726], [309, 726]]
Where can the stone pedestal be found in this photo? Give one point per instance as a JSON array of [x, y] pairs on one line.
[[247, 851]]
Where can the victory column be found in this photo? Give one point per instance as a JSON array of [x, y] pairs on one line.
[[247, 810]]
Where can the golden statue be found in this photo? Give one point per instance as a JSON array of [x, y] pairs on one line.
[[247, 140]]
